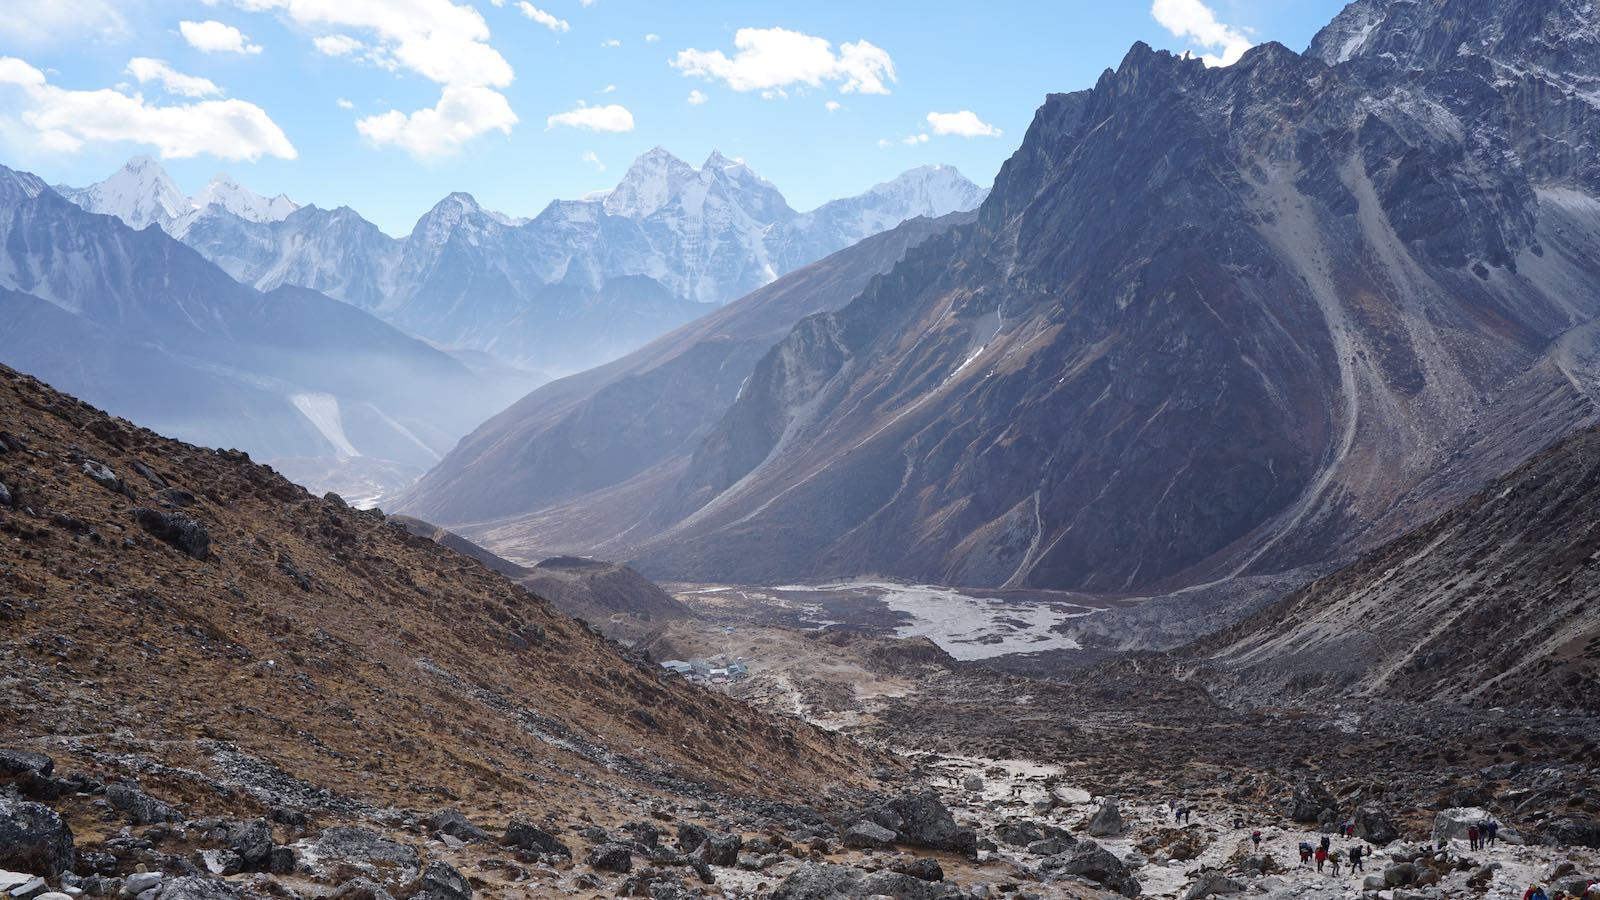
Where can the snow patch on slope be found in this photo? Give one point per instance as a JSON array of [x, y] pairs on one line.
[[322, 411]]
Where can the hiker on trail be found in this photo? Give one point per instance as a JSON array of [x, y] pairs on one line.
[[1255, 838], [1326, 843], [1333, 858], [1322, 857], [1472, 836], [1494, 832], [1535, 893], [1305, 852], [1356, 853]]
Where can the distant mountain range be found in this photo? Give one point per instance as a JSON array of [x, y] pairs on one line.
[[139, 323], [583, 282], [1210, 322]]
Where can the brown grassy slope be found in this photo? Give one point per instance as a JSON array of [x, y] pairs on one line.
[[403, 673]]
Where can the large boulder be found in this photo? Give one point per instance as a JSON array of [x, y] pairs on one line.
[[33, 838], [1311, 804], [341, 853], [453, 823], [925, 822], [1107, 821], [252, 841], [441, 881], [721, 850], [1400, 874], [1094, 862], [197, 887], [865, 835], [14, 763], [177, 529], [1211, 883], [813, 881], [139, 807], [1452, 824], [611, 858], [525, 835], [1373, 824]]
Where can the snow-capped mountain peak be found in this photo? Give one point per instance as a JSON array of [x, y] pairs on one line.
[[140, 193], [650, 184], [229, 195]]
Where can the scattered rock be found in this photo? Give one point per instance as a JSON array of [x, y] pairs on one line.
[[221, 862], [1311, 804], [360, 889], [1400, 875], [721, 849], [195, 887], [1373, 824], [33, 838], [924, 869], [252, 841], [103, 476], [139, 882], [691, 836]]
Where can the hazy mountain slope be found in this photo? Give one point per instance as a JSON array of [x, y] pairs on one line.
[[545, 461], [1496, 602], [155, 331], [305, 640], [1210, 321]]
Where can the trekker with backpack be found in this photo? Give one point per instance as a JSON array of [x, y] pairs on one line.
[[1472, 836], [1322, 857], [1305, 852], [1333, 859], [1356, 853], [1255, 838]]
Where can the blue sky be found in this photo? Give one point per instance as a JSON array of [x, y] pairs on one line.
[[388, 105]]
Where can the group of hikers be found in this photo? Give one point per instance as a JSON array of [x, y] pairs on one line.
[[1592, 892], [1482, 835], [1326, 855]]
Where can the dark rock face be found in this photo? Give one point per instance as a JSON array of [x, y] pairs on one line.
[[868, 834], [195, 887], [1209, 321], [177, 529], [33, 838], [1107, 821], [1312, 804], [721, 849]]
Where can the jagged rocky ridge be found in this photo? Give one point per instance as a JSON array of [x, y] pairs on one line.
[[583, 282], [1209, 322]]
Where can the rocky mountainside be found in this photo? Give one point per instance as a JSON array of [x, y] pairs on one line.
[[614, 598], [1495, 603], [584, 282], [221, 632], [1211, 321], [574, 463]]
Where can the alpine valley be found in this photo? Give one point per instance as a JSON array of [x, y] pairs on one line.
[[1217, 491]]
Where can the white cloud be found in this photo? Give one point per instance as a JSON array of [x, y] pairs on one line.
[[441, 40], [462, 113], [831, 106], [212, 36], [37, 22], [65, 120], [543, 18], [963, 124], [914, 139], [609, 89], [337, 44], [651, 38], [1195, 21], [612, 118], [342, 103], [610, 42], [146, 69], [585, 3], [775, 58], [697, 97], [594, 159]]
